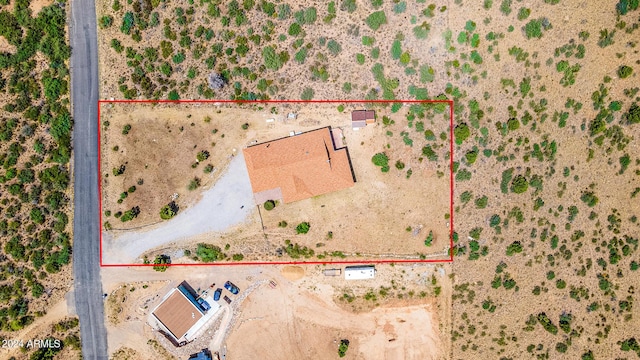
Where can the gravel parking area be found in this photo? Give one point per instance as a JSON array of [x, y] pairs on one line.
[[226, 204]]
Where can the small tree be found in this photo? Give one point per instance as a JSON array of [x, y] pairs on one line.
[[237, 257], [168, 211], [461, 132], [194, 184], [130, 214], [344, 346], [160, 261], [269, 205], [429, 240], [303, 228], [307, 94], [202, 155], [519, 184], [624, 71]]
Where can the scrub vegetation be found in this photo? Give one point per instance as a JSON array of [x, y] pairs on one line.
[[35, 148], [546, 112]]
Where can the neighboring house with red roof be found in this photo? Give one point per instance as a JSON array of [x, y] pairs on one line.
[[298, 167]]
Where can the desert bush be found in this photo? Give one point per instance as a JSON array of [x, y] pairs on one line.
[[273, 60], [461, 132], [127, 23], [307, 94], [294, 29], [589, 198], [130, 214], [303, 228], [519, 184], [624, 71], [168, 211], [514, 248], [344, 346], [173, 95], [523, 13], [106, 21], [269, 205], [481, 202], [429, 153], [237, 257], [209, 253], [546, 323], [633, 115], [376, 19], [348, 5], [429, 240], [301, 55], [396, 49], [194, 184], [117, 45], [606, 38], [533, 29], [505, 7], [334, 47], [160, 263], [380, 159]]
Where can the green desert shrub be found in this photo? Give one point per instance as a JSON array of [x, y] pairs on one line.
[[307, 94], [342, 349], [519, 184], [209, 253], [269, 205], [380, 159], [376, 19], [624, 71], [303, 228], [168, 211], [461, 132]]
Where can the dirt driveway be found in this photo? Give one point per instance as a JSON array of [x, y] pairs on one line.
[[226, 204]]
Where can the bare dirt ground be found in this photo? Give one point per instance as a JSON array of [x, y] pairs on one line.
[[354, 221], [303, 316], [37, 5]]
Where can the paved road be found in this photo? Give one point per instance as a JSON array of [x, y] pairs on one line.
[[86, 253], [226, 204]]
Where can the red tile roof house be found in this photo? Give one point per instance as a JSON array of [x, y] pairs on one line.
[[362, 118], [298, 167]]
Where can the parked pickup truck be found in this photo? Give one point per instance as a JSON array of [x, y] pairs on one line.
[[226, 298], [231, 287]]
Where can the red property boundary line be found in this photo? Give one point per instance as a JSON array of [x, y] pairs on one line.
[[236, 263]]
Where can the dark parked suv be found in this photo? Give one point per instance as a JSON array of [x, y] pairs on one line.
[[231, 287], [216, 295]]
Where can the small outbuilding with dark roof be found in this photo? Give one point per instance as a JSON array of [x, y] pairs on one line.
[[362, 118]]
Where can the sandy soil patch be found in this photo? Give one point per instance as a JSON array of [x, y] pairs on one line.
[[5, 46], [292, 273], [37, 5]]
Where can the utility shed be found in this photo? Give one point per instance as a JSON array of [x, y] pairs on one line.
[[331, 272], [362, 118], [359, 272]]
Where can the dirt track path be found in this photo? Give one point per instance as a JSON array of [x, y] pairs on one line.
[[226, 204]]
